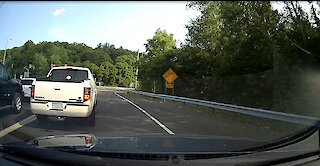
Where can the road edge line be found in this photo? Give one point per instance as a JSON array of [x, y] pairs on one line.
[[146, 113]]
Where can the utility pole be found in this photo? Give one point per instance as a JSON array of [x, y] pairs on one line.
[[26, 74], [137, 70], [5, 52]]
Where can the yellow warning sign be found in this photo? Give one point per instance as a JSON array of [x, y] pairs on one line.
[[170, 76]]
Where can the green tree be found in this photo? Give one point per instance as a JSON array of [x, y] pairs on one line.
[[41, 65], [160, 43], [302, 32], [235, 37], [115, 70], [95, 56], [126, 73], [59, 55], [161, 54], [111, 71]]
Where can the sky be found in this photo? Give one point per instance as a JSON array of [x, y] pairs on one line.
[[127, 24]]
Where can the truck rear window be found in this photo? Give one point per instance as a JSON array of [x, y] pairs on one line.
[[68, 75]]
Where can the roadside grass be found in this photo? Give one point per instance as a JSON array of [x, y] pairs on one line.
[[227, 116]]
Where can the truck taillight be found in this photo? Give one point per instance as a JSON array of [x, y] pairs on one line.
[[86, 94], [32, 91], [88, 140]]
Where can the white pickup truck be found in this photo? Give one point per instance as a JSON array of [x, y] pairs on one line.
[[65, 92]]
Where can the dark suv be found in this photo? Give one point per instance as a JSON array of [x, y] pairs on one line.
[[10, 91]]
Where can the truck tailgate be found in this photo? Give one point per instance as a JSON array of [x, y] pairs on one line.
[[58, 91]]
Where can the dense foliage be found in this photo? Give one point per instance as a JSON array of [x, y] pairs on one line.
[[240, 52], [113, 66]]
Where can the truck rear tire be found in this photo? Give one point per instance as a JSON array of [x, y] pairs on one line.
[[92, 118], [17, 103]]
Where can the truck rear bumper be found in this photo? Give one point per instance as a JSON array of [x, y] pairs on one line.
[[68, 110]]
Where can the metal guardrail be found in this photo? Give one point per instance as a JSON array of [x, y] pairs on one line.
[[292, 118]]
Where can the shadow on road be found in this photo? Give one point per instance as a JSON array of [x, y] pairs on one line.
[[8, 117], [68, 124]]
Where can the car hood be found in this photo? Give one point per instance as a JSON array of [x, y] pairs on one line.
[[147, 143], [100, 148], [172, 143], [165, 143]]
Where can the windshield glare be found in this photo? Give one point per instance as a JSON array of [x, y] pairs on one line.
[[169, 77]]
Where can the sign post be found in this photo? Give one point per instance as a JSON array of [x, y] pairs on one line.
[[165, 88], [169, 76]]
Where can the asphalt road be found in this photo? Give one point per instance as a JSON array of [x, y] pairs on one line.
[[120, 113]]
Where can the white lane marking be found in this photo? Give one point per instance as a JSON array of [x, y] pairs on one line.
[[17, 125], [145, 112]]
